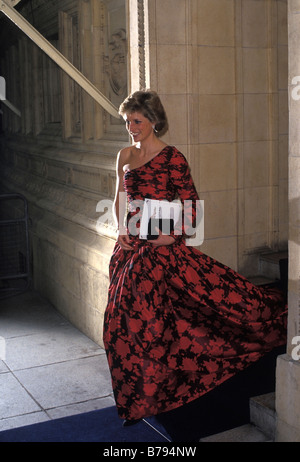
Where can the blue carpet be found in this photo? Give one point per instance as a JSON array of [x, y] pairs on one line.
[[97, 426], [225, 407]]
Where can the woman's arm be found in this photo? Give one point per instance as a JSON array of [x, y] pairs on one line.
[[120, 204], [183, 183]]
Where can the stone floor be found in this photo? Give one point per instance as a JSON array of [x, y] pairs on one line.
[[48, 369]]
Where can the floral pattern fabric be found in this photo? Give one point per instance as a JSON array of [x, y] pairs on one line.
[[179, 323]]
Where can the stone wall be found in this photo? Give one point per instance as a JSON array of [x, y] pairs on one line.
[[288, 367], [61, 153], [220, 68]]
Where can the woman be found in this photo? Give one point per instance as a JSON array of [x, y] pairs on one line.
[[178, 323]]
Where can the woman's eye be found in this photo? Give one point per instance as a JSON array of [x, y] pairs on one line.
[[136, 122]]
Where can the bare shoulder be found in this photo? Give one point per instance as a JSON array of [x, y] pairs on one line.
[[124, 154], [123, 158]]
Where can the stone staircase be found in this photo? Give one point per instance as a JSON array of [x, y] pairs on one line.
[[262, 425], [261, 428], [269, 268]]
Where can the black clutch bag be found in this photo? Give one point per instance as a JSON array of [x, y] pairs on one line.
[[165, 225]]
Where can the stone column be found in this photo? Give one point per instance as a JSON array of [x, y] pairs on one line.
[[288, 367]]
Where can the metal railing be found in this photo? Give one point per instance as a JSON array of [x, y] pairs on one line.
[[14, 245]]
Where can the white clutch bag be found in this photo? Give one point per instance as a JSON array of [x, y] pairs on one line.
[[162, 215]]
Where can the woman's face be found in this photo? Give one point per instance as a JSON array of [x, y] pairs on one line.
[[139, 127]]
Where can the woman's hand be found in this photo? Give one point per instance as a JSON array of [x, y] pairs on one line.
[[163, 239], [124, 241]]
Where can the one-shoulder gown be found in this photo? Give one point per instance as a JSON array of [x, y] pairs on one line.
[[178, 323]]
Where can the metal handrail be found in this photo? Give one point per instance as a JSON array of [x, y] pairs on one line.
[[11, 107], [58, 58]]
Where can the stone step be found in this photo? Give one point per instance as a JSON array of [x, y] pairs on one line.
[[272, 270], [263, 414], [261, 280], [269, 264], [261, 427], [247, 433]]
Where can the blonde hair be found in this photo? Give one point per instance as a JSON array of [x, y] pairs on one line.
[[148, 103]]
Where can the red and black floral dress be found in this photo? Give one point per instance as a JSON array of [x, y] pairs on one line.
[[179, 323]]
